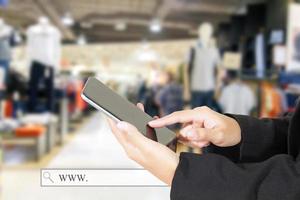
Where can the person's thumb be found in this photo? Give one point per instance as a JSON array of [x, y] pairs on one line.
[[126, 127], [203, 135], [193, 133], [211, 135], [132, 134]]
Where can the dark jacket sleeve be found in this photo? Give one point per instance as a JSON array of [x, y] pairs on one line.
[[214, 177], [262, 138]]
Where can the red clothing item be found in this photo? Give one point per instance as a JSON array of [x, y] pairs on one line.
[[80, 103], [30, 131], [8, 109], [270, 101]]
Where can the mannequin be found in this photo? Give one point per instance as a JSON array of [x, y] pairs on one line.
[[44, 43], [6, 32], [43, 52], [204, 58]]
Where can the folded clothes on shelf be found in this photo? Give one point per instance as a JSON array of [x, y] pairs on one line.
[[8, 124], [42, 119], [30, 131]]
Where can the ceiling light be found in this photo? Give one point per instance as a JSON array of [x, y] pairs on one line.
[[67, 20], [120, 26], [81, 40], [155, 26]]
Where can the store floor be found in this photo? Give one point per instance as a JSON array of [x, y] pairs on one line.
[[93, 147]]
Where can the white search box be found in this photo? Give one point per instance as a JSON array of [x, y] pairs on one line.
[[99, 178]]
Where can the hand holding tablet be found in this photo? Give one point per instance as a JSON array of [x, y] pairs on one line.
[[120, 109]]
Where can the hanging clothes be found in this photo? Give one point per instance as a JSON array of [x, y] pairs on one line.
[[5, 43], [237, 98], [6, 33], [44, 44], [73, 91], [260, 57], [41, 80], [270, 101], [8, 109], [80, 103], [283, 99]]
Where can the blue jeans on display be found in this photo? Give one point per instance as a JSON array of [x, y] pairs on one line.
[[202, 99], [4, 64]]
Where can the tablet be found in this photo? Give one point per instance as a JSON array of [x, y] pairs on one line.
[[120, 109]]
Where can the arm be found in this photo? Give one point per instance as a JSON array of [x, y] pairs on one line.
[[262, 138], [212, 176]]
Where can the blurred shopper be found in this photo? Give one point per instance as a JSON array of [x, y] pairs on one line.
[[142, 89], [170, 97], [151, 106], [236, 97], [153, 88]]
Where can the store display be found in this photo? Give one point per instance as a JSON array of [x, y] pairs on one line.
[[232, 60]]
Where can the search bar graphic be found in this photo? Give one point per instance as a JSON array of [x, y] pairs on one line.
[[98, 178]]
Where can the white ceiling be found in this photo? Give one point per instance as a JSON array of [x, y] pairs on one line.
[[180, 18]]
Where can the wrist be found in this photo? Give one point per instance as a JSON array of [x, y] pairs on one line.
[[233, 130], [237, 131]]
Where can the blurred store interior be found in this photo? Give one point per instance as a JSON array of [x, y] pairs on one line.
[[235, 56]]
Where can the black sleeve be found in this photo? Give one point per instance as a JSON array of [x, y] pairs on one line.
[[262, 138], [214, 177]]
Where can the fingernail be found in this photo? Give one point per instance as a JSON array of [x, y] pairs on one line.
[[151, 122], [122, 126], [184, 131]]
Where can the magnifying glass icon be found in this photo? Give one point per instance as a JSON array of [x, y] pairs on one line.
[[47, 175]]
